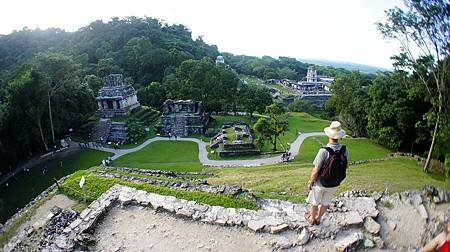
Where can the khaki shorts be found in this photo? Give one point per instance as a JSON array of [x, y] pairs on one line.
[[320, 195]]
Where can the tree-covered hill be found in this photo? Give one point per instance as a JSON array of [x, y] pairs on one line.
[[48, 78], [267, 67], [141, 48]]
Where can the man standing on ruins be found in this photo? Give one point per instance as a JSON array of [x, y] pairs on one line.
[[329, 170]]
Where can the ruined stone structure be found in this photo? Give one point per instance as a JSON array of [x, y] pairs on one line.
[[220, 60], [116, 98], [234, 139], [107, 131], [182, 118], [311, 75], [314, 88]]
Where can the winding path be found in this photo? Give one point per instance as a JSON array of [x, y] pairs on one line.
[[203, 153]]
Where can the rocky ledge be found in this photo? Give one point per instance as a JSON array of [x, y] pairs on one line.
[[203, 186], [355, 220]]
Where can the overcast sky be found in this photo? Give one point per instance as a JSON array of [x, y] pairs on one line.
[[321, 29]]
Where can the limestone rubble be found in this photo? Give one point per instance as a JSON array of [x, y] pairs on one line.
[[354, 220]]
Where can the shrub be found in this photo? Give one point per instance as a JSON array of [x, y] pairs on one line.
[[136, 130], [96, 186]]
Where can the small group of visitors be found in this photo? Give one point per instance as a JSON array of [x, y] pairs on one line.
[[89, 144], [84, 145], [286, 157], [172, 135], [107, 161]]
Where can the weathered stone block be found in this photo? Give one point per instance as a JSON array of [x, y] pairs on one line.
[[256, 225], [351, 218], [348, 242], [278, 229], [371, 225], [304, 236], [423, 212]]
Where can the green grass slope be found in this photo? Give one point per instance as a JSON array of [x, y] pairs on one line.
[[164, 155]]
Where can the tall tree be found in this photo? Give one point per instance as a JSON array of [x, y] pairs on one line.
[[390, 117], [348, 102], [423, 32], [214, 85], [152, 95], [57, 69], [273, 127], [28, 92], [254, 98]]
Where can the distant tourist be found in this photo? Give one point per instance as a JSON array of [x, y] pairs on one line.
[[441, 242], [170, 135], [329, 170]]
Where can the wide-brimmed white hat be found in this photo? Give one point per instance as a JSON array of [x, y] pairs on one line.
[[335, 130]]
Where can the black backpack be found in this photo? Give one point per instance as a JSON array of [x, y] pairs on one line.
[[333, 170]]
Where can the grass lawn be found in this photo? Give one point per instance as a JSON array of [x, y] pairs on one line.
[[358, 148], [26, 185], [252, 80], [298, 122], [399, 173], [304, 122], [283, 90], [264, 179], [164, 155], [96, 185], [288, 181]]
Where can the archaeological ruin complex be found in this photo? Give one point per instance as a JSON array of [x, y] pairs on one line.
[[314, 88], [182, 118], [234, 139]]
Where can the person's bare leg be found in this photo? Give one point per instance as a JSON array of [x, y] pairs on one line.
[[313, 211], [321, 212]]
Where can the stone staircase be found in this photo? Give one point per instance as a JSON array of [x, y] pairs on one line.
[[216, 140], [118, 132], [101, 131], [179, 126]]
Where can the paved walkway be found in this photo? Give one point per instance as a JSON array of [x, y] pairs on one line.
[[203, 153]]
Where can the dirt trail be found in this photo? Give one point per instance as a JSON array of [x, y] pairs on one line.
[[142, 229]]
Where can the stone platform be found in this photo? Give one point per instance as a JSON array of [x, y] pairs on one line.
[[355, 220]]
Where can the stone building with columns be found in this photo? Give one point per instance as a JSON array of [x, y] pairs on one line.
[[116, 98]]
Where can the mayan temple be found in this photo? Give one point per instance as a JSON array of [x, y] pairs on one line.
[[116, 98]]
